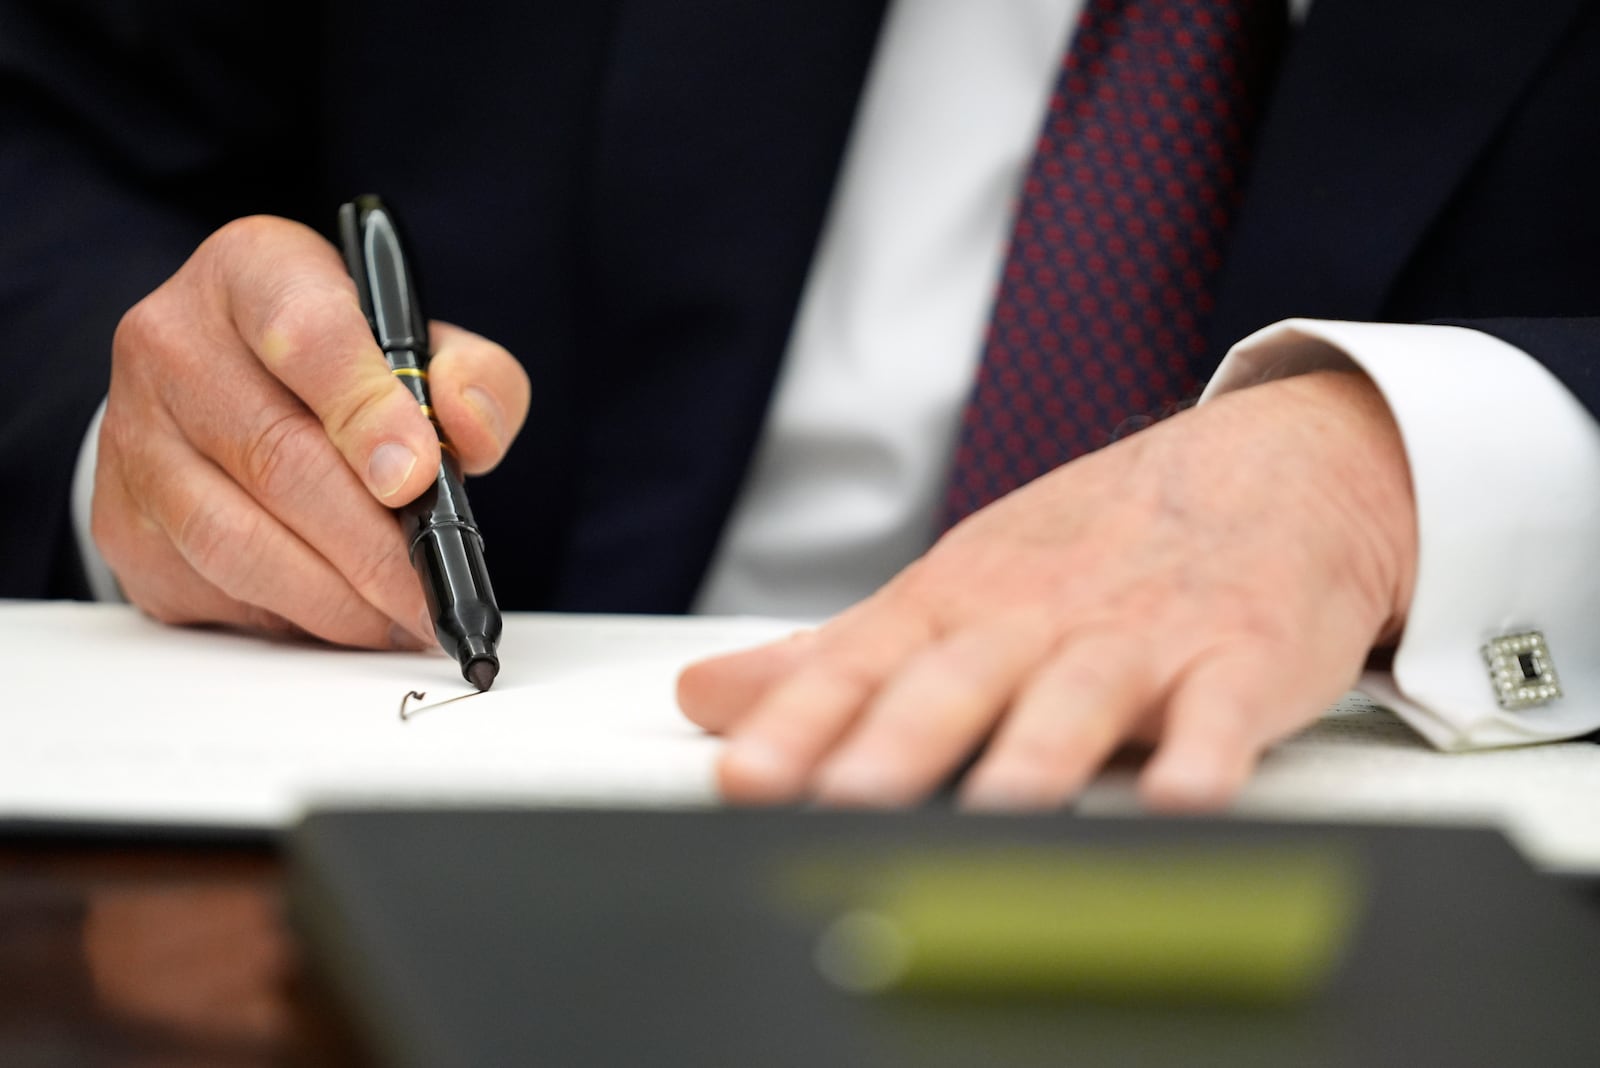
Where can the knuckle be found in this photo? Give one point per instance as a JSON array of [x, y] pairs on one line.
[[296, 324], [248, 233], [277, 457], [355, 413], [133, 327], [945, 588], [303, 340], [146, 331], [245, 229], [221, 543]]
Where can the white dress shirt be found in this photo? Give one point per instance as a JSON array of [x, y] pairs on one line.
[[849, 473], [1508, 517], [847, 478]]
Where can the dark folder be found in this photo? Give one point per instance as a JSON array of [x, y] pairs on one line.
[[684, 938]]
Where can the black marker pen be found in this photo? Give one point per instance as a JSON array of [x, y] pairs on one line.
[[446, 548]]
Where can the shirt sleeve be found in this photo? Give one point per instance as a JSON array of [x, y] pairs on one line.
[[1505, 468], [102, 583]]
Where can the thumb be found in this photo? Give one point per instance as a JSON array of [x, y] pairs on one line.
[[480, 394]]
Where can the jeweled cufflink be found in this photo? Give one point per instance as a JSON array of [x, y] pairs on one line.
[[1521, 670]]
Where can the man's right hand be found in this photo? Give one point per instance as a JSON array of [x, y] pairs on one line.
[[254, 444]]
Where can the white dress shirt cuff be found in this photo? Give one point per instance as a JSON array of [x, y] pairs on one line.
[[102, 583], [1505, 468]]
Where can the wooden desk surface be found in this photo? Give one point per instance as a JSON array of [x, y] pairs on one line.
[[159, 955]]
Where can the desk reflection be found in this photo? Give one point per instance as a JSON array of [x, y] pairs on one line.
[[156, 957]]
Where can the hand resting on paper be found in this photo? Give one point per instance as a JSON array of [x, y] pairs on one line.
[[1206, 586], [254, 443]]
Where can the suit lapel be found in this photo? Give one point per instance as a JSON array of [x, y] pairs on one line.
[[1380, 110], [722, 126]]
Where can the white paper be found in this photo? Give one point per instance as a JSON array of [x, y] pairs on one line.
[[110, 718]]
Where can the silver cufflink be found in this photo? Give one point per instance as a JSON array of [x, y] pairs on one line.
[[1521, 670]]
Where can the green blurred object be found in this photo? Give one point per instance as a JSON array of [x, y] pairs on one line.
[[1241, 926], [574, 938]]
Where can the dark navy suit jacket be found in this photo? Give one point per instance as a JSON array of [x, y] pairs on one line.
[[627, 194]]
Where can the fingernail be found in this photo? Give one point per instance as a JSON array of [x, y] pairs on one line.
[[489, 413], [389, 467], [425, 628]]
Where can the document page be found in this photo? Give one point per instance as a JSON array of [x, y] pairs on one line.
[[108, 717]]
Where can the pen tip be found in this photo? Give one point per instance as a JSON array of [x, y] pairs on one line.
[[480, 671]]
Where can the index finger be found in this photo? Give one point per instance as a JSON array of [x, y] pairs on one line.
[[774, 749], [292, 302]]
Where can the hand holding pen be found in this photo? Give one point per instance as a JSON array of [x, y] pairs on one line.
[[255, 442]]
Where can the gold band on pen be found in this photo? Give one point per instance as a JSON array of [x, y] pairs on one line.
[[427, 410]]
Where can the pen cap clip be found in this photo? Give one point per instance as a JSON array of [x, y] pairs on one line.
[[375, 255]]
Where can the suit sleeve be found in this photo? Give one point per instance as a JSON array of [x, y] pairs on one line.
[[1505, 468], [128, 131]]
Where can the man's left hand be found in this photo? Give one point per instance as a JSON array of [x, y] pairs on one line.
[[1207, 586]]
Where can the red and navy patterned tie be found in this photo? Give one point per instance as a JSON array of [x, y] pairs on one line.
[[1099, 319]]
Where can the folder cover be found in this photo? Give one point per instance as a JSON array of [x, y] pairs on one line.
[[564, 937]]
